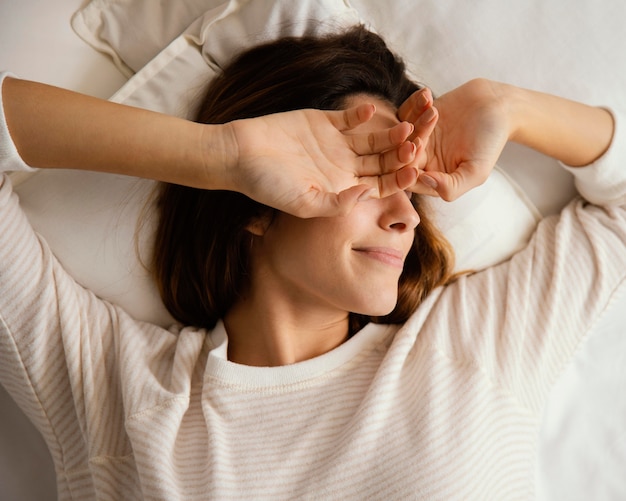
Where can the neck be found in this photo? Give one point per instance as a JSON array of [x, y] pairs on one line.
[[265, 331]]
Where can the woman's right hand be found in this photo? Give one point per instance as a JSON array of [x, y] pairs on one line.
[[305, 162]]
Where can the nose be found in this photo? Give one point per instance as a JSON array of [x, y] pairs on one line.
[[398, 213]]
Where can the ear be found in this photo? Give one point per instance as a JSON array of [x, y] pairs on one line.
[[259, 225]]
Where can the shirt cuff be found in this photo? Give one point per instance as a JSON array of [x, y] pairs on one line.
[[10, 159], [603, 182]]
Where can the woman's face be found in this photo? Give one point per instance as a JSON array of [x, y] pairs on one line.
[[350, 263]]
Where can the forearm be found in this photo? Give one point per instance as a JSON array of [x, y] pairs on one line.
[[56, 128], [572, 132], [305, 162]]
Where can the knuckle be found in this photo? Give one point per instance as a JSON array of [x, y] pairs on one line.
[[381, 186], [371, 142], [382, 162]]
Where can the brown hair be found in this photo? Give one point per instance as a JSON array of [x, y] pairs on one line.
[[202, 248]]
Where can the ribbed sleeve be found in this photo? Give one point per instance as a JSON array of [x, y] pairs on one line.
[[522, 321], [57, 346], [604, 182], [10, 159]]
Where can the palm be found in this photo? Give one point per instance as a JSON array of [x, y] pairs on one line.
[[303, 162], [467, 139], [319, 169]]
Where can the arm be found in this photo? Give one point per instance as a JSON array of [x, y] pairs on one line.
[[299, 162], [529, 314], [573, 133], [533, 311], [478, 118]]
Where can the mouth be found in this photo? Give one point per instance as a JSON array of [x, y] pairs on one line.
[[386, 255]]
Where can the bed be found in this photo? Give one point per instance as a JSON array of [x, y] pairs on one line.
[[158, 55]]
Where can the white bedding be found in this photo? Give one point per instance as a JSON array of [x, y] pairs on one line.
[[572, 48]]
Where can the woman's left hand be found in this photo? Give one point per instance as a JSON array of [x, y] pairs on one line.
[[463, 146]]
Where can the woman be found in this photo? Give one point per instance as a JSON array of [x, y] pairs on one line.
[[291, 393]]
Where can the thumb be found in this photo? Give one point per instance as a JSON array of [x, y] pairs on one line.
[[450, 186], [348, 198], [324, 204]]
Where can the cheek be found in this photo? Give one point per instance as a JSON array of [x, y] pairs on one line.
[[312, 238], [303, 247], [315, 257]]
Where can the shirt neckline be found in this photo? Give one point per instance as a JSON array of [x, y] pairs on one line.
[[222, 371]]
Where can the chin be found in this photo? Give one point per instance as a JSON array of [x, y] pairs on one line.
[[379, 307]]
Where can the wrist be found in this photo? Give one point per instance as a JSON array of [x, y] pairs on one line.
[[219, 150], [515, 105]]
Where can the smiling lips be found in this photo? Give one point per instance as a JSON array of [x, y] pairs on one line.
[[385, 255]]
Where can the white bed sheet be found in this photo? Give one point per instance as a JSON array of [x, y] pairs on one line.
[[583, 439]]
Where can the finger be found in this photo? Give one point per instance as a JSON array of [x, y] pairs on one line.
[[388, 161], [451, 186], [415, 104], [382, 140], [347, 199], [340, 204], [421, 155], [419, 110], [352, 117], [425, 124], [400, 180], [317, 203], [422, 188], [388, 184]]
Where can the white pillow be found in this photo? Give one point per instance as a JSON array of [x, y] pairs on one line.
[[172, 82], [133, 32], [488, 224], [89, 219]]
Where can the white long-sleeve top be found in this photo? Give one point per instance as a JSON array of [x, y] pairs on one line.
[[446, 406]]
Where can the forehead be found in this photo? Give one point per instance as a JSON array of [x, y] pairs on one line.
[[385, 113]]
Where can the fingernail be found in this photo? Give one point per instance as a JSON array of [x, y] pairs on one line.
[[428, 115], [423, 100], [429, 181]]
